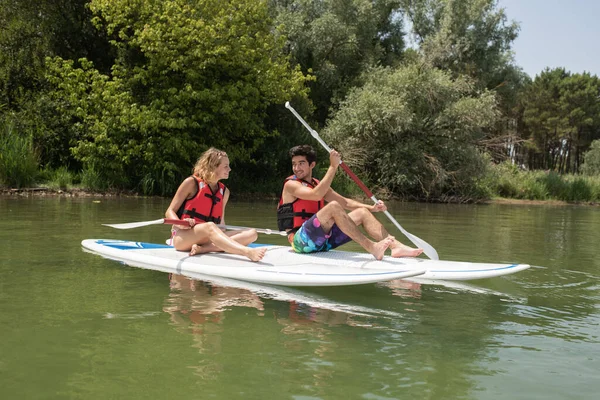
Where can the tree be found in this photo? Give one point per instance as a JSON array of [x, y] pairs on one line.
[[471, 37], [591, 164], [561, 115], [337, 40], [580, 104], [474, 38], [186, 76], [33, 30], [414, 130]]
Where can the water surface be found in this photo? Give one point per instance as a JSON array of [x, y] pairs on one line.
[[75, 325]]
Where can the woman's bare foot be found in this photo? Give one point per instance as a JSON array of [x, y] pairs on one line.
[[201, 249], [256, 253], [380, 247], [401, 250]]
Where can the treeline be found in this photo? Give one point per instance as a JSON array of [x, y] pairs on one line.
[[421, 96]]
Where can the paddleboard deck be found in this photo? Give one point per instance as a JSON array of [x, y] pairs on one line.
[[281, 266]]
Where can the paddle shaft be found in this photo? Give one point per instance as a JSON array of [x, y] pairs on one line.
[[132, 225], [229, 227], [326, 147], [427, 248]]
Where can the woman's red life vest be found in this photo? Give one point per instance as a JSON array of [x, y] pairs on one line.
[[205, 206], [292, 215]]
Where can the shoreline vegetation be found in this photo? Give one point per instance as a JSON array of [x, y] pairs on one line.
[[118, 98], [526, 188]]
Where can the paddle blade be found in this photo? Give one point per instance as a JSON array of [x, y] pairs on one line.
[[427, 248], [132, 225]]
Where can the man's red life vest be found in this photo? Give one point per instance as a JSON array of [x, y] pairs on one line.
[[291, 216], [205, 206]]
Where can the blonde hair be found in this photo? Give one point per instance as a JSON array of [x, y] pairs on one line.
[[207, 164]]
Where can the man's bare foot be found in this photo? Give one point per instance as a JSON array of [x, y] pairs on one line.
[[256, 254], [200, 249], [401, 250], [380, 247]]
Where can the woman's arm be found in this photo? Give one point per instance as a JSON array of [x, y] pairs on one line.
[[185, 190], [225, 200]]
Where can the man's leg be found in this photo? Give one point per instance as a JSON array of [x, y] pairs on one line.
[[334, 213], [375, 229]]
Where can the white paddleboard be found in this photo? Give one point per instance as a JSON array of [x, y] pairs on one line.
[[280, 266]]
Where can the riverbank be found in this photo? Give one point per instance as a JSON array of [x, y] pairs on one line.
[[536, 202], [44, 191], [76, 192]]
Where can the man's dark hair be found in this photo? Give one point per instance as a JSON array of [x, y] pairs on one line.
[[304, 150]]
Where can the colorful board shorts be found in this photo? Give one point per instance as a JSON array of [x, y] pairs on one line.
[[311, 238]]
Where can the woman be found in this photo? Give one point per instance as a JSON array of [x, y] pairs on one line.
[[201, 200]]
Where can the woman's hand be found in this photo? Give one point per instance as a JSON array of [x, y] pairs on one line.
[[190, 225]]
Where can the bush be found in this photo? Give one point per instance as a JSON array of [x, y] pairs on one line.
[[413, 130], [556, 185], [534, 187], [510, 182], [93, 181], [591, 163], [595, 185], [18, 160], [506, 180], [61, 179], [580, 190]]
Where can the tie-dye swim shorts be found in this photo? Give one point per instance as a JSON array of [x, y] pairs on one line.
[[311, 238]]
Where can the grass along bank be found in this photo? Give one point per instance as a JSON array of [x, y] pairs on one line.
[[505, 184], [509, 182]]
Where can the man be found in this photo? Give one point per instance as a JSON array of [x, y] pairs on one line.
[[315, 226]]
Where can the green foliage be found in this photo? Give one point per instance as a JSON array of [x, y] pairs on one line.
[[557, 186], [413, 131], [510, 182], [130, 92], [337, 40], [591, 165], [21, 57], [471, 37], [92, 180], [580, 190], [18, 160], [32, 30], [61, 179], [187, 76], [561, 116]]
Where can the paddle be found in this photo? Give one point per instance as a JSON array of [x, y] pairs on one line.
[[427, 248], [131, 225]]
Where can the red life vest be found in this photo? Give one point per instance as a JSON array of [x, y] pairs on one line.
[[291, 216], [205, 206]]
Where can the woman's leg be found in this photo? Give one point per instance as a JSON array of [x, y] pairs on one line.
[[209, 237]]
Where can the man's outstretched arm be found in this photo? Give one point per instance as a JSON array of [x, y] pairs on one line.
[[350, 204]]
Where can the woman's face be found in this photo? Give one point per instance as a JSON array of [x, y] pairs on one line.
[[222, 171]]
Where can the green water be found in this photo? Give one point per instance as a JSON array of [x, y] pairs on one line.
[[74, 325]]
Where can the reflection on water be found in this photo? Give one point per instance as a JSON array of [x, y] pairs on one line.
[[319, 336], [403, 288], [198, 301]]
